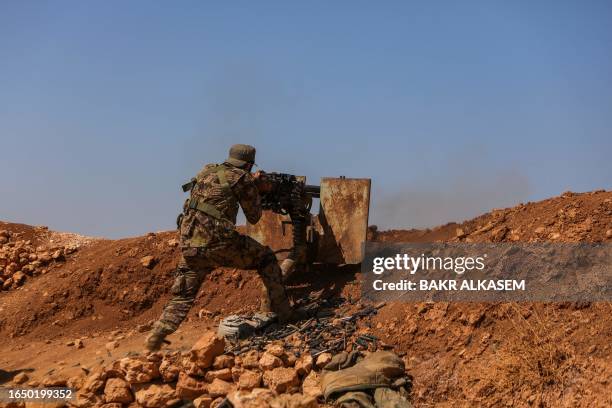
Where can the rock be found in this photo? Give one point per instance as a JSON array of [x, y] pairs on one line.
[[203, 401], [609, 233], [269, 361], [20, 378], [294, 401], [79, 344], [117, 390], [76, 382], [304, 364], [173, 242], [219, 388], [460, 233], [499, 234], [7, 284], [311, 385], [257, 398], [189, 387], [276, 350], [148, 261], [94, 383], [168, 370], [249, 380], [206, 349], [58, 255], [109, 405], [323, 359], [19, 278], [44, 258], [154, 395], [223, 361], [138, 370], [222, 374], [54, 381], [87, 400], [250, 359], [111, 345], [282, 379]]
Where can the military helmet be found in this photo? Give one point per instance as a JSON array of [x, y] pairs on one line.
[[240, 155]]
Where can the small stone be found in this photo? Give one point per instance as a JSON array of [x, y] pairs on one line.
[[154, 395], [203, 401], [111, 345], [206, 349], [323, 359], [269, 361], [20, 378], [219, 388], [222, 374], [138, 370], [282, 380], [223, 361], [19, 278], [304, 364], [189, 387], [58, 255], [259, 397], [276, 350], [249, 380], [312, 385], [117, 390], [169, 371], [609, 233], [250, 359], [79, 344], [294, 401], [148, 261]]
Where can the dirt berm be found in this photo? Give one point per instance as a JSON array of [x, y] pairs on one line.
[[460, 354]]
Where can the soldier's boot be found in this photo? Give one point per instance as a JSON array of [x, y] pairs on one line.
[[157, 337], [154, 341]]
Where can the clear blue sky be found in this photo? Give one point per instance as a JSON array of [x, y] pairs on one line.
[[452, 108]]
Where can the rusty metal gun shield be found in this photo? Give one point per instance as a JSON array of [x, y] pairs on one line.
[[343, 220], [336, 234]]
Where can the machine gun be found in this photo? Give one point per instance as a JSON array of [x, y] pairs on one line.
[[289, 195]]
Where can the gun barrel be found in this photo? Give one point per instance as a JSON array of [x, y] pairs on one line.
[[314, 191]]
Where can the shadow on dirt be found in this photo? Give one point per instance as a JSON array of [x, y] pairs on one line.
[[6, 376], [327, 281]]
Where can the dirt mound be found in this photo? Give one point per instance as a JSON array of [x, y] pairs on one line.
[[528, 354], [459, 354], [571, 217]]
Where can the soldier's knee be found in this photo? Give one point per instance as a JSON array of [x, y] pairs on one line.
[[268, 258], [185, 285]]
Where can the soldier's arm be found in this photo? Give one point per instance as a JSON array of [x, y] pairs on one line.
[[248, 196]]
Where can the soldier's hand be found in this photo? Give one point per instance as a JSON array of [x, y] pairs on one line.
[[263, 184]]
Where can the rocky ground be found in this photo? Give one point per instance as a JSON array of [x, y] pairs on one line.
[[80, 313]]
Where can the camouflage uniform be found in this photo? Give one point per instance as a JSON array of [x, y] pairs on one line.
[[210, 241]]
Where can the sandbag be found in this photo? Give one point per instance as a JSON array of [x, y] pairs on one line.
[[388, 398], [354, 399], [378, 369]]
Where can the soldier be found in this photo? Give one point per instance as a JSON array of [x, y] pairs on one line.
[[209, 239]]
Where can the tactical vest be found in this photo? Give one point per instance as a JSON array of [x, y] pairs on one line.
[[197, 203]]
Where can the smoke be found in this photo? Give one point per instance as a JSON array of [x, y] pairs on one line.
[[464, 190]]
